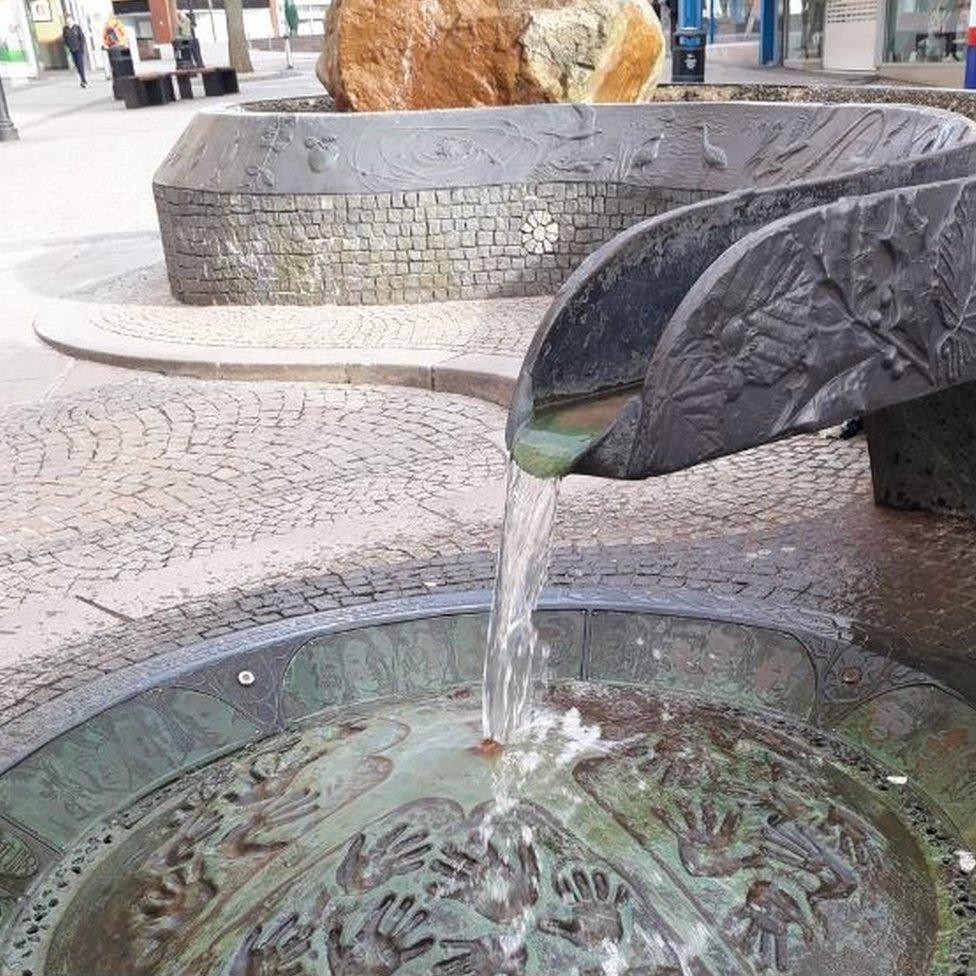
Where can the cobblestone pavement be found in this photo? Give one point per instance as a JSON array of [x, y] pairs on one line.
[[139, 514], [139, 306], [150, 513]]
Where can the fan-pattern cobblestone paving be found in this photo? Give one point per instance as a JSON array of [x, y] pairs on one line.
[[269, 500]]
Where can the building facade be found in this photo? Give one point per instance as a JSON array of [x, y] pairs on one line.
[[921, 41]]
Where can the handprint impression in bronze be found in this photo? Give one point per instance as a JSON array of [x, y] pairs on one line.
[[694, 840]]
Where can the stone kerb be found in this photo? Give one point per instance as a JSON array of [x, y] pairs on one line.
[[269, 203]]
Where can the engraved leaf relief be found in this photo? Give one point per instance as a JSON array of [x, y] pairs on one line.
[[930, 136], [808, 323], [818, 141], [276, 137], [954, 285]]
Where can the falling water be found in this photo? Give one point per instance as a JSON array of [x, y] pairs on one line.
[[514, 658], [545, 448]]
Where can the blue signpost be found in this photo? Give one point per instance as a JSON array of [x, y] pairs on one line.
[[769, 36], [690, 13]]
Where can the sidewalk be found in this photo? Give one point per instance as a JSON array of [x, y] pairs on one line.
[[473, 347]]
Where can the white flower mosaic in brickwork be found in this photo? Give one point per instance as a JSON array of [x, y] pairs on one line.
[[540, 232]]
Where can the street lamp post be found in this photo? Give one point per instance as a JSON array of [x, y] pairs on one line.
[[8, 131]]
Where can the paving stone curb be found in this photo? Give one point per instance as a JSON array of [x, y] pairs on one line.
[[67, 327]]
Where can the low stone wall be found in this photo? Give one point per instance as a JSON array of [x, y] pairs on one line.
[[400, 248], [286, 202]]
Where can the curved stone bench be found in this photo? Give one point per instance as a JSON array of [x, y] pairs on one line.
[[279, 202]]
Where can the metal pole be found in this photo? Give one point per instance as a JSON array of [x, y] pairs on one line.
[[768, 23], [8, 131]]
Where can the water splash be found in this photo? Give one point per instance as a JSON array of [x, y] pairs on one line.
[[514, 659]]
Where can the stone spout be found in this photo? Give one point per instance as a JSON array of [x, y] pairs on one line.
[[865, 307]]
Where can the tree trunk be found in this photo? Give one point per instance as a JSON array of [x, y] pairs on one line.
[[237, 49]]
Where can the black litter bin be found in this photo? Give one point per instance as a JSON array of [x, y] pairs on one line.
[[120, 64], [183, 53], [688, 55]]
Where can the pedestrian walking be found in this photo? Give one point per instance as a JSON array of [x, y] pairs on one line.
[[74, 41]]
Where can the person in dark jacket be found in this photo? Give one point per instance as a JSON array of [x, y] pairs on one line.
[[74, 41]]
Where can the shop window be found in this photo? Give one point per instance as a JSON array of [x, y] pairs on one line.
[[926, 30], [803, 30]]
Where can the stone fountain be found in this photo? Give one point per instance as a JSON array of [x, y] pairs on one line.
[[714, 787]]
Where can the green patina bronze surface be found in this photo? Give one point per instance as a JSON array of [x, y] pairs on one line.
[[690, 839], [553, 439]]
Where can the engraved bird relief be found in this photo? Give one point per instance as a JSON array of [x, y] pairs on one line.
[[390, 936], [642, 157], [580, 151], [714, 156]]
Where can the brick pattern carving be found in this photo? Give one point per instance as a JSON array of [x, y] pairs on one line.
[[392, 248]]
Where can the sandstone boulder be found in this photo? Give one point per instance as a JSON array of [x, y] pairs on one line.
[[414, 54]]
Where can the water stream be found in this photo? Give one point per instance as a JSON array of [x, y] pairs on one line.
[[546, 448], [514, 659]]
